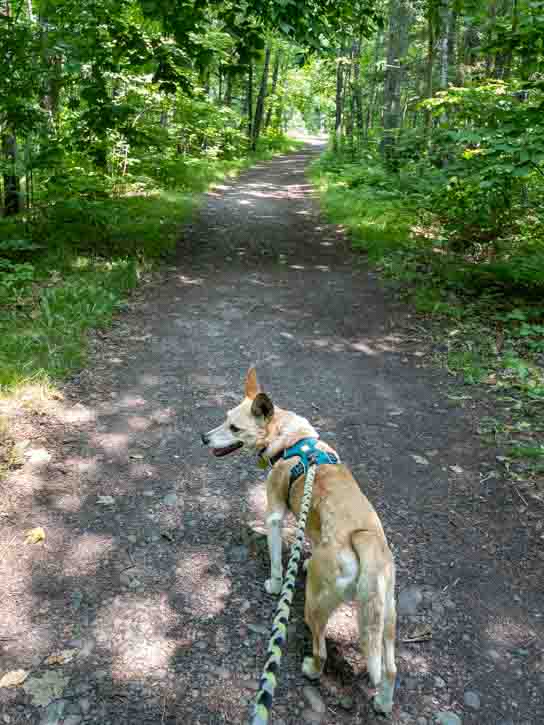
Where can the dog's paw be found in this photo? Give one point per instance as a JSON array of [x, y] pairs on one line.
[[381, 704], [309, 670], [273, 586]]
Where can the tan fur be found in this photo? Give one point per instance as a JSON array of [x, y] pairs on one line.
[[351, 559]]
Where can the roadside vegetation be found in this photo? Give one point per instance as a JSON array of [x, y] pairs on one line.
[[435, 169], [114, 116]]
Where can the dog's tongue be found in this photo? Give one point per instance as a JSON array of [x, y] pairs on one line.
[[225, 451]]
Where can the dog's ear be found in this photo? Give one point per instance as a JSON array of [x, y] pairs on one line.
[[262, 406], [252, 386]]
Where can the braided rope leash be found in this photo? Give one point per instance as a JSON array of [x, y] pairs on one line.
[[278, 637]]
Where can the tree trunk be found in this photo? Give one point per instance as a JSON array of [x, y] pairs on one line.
[[399, 19], [430, 67], [373, 84], [503, 61], [452, 44], [275, 76], [259, 109], [250, 102], [348, 110], [12, 183], [339, 102], [357, 91], [444, 10], [489, 57], [228, 90]]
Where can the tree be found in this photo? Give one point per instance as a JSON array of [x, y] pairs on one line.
[[397, 46], [259, 108]]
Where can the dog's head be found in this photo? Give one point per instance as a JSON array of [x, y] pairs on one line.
[[245, 425]]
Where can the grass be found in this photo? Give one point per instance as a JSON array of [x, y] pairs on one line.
[[69, 265], [487, 319], [378, 221]]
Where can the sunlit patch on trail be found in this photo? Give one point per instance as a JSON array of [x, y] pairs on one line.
[[200, 578], [86, 554]]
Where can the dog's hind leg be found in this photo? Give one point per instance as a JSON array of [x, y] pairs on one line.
[[383, 700], [320, 604]]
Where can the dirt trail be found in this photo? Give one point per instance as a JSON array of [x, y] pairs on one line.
[[158, 590]]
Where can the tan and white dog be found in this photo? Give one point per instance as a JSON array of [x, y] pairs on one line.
[[351, 560]]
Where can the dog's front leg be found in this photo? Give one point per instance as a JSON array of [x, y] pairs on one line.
[[274, 522]]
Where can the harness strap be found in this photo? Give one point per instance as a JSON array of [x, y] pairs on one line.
[[308, 452]]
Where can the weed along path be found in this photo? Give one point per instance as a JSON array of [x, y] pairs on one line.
[[145, 602]]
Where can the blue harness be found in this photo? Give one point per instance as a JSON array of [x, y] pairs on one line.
[[308, 453]]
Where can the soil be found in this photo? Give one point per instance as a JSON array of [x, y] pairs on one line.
[[148, 588]]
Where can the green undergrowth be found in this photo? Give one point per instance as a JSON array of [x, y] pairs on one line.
[[486, 305], [69, 264]]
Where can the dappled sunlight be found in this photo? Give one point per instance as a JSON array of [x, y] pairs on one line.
[[342, 626], [198, 579], [85, 554], [114, 442], [80, 464], [131, 401], [163, 415], [139, 422], [139, 628], [150, 380], [362, 346], [256, 499], [78, 414], [372, 347], [415, 662], [184, 279]]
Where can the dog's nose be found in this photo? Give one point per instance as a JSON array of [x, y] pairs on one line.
[[205, 439]]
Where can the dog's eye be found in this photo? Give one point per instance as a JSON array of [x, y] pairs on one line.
[[235, 428]]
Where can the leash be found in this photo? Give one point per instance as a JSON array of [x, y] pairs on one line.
[[278, 637]]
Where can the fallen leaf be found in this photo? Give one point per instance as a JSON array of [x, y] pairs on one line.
[[13, 678], [457, 469], [61, 658], [491, 379], [34, 536], [106, 500], [420, 459], [420, 633]]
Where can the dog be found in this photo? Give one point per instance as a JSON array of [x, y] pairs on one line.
[[351, 560]]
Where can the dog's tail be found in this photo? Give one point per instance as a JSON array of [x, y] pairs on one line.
[[377, 614]]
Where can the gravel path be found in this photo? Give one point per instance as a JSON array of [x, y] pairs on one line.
[[145, 603]]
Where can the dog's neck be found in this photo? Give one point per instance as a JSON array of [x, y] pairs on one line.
[[284, 430]]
